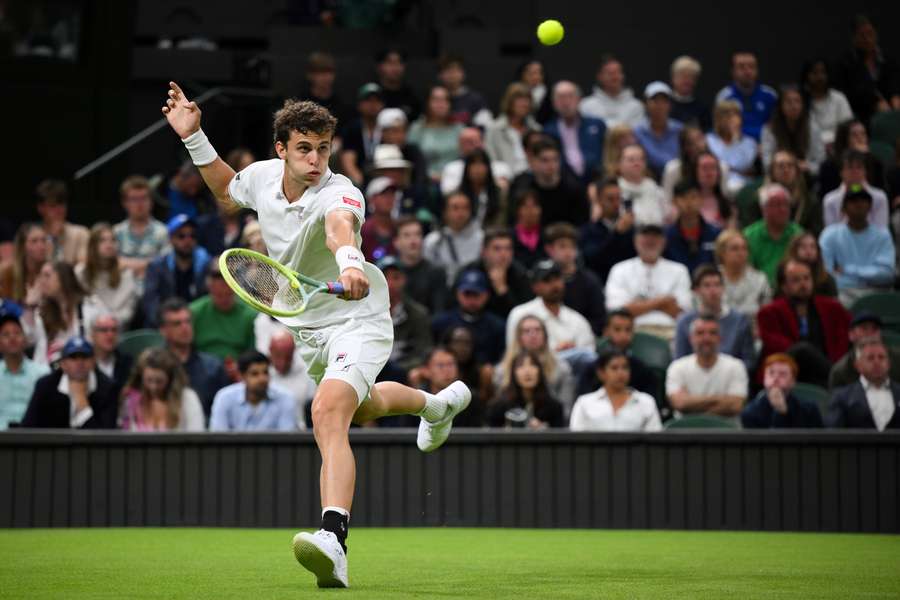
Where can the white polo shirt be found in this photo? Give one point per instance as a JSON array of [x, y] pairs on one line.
[[633, 279], [727, 377], [294, 233], [594, 412]]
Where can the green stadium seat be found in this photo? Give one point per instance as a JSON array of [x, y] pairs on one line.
[[701, 422], [654, 351], [747, 201], [891, 338], [813, 393], [885, 304], [883, 151], [885, 127], [134, 342]]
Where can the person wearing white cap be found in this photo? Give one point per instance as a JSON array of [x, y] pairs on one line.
[[378, 230], [390, 128], [657, 133]]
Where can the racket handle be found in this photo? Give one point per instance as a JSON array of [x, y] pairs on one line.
[[335, 287]]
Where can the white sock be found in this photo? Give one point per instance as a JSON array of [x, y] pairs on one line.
[[434, 410], [336, 509]]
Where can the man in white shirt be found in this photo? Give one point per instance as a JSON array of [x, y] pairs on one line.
[[105, 339], [287, 371], [566, 328], [872, 402], [706, 381], [655, 290], [611, 100]]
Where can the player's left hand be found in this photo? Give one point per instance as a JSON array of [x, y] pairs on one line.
[[356, 284]]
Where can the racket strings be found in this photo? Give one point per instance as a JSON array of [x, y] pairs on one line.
[[264, 283]]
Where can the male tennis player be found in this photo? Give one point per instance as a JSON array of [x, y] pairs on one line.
[[310, 219]]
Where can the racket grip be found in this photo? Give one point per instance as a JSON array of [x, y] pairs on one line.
[[335, 287]]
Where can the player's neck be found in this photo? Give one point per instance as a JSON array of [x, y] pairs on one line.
[[292, 190]]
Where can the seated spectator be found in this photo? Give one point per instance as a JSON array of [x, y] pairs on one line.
[[804, 247], [104, 338], [776, 407], [391, 129], [653, 289], [466, 105], [388, 161], [690, 240], [157, 396], [640, 194], [77, 396], [223, 324], [531, 74], [579, 137], [426, 282], [873, 401], [18, 373], [288, 372], [531, 335], [611, 101], [480, 185], [560, 195], [584, 292], [811, 328], [686, 107], [715, 207], [141, 238], [706, 381], [853, 172], [850, 135], [691, 147], [791, 128], [658, 133], [103, 277], [64, 310], [828, 107], [618, 138], [503, 138], [508, 279], [806, 210], [19, 277], [7, 232], [526, 401], [460, 342], [729, 143], [439, 370], [528, 240], [769, 237], [68, 241], [608, 238], [390, 65], [186, 192], [459, 239], [746, 289], [179, 273], [469, 140], [858, 255], [253, 404], [412, 331], [252, 238], [358, 135], [205, 372], [436, 133], [756, 101], [615, 406], [864, 325], [378, 230], [320, 74], [472, 293], [566, 328]]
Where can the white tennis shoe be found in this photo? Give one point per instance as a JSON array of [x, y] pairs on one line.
[[321, 554], [432, 435]]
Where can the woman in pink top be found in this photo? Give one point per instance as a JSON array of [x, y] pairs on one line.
[[157, 397]]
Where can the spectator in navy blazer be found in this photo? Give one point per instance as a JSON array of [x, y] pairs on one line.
[[690, 240], [872, 402], [777, 407], [580, 138]]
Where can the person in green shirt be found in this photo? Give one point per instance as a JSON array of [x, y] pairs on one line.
[[223, 325], [769, 237]]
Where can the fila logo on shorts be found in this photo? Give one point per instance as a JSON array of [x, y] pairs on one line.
[[351, 202], [341, 357]]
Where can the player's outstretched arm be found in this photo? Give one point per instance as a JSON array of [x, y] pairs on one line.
[[340, 237], [184, 118]]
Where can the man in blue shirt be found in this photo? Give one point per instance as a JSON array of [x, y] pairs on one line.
[[757, 100], [657, 133], [690, 240], [253, 404], [18, 373], [858, 255]]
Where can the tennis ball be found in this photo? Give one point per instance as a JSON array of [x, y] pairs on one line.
[[550, 32]]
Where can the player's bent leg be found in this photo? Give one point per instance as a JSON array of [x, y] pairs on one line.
[[389, 398]]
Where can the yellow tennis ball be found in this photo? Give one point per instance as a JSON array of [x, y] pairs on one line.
[[550, 32]]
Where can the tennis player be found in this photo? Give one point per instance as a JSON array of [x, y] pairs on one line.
[[310, 219]]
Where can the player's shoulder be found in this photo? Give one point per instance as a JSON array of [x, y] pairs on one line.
[[341, 184], [261, 169]]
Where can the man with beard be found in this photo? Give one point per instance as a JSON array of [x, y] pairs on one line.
[[253, 404]]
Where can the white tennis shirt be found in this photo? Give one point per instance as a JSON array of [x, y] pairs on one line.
[[294, 233]]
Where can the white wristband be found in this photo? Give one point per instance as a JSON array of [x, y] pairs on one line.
[[198, 146], [349, 257]]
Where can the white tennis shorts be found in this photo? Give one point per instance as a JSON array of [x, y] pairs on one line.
[[354, 351]]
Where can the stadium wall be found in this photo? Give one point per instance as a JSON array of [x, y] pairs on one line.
[[772, 481]]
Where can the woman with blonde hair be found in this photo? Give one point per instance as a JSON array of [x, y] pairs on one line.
[[157, 397], [503, 138], [746, 289], [617, 139], [18, 278], [728, 142], [102, 275]]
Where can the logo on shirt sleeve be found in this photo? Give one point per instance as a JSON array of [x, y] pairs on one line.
[[351, 202]]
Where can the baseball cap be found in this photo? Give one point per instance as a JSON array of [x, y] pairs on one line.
[[545, 269], [654, 88], [651, 228], [856, 191], [368, 89], [388, 262], [390, 117], [77, 346], [472, 280], [389, 156], [179, 221], [866, 316], [378, 185]]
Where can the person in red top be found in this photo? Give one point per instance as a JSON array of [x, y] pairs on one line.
[[379, 229], [812, 329]]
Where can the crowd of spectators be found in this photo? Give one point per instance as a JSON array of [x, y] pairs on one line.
[[528, 251]]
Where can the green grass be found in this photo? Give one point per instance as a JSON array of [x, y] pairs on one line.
[[253, 564]]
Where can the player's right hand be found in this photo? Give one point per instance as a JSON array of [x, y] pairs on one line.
[[182, 114], [356, 284]]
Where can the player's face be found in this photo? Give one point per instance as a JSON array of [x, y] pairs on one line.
[[305, 156]]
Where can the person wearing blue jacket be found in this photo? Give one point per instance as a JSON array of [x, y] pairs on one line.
[[580, 138]]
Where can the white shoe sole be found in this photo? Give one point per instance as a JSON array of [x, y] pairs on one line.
[[445, 424], [314, 560]]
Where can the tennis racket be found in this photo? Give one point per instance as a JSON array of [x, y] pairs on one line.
[[269, 286]]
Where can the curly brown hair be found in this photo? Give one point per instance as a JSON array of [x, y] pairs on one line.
[[305, 117]]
